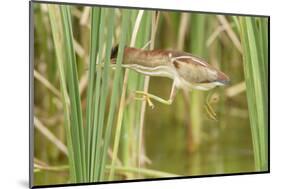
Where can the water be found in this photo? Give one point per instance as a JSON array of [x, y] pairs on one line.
[[225, 144]]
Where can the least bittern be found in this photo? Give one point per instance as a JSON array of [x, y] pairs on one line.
[[186, 70]]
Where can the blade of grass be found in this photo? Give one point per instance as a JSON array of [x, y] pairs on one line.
[[51, 168], [256, 85], [46, 83], [56, 27], [95, 19], [121, 110], [183, 28], [146, 172], [130, 125], [95, 128], [75, 102], [49, 135], [104, 87], [124, 27], [196, 98], [154, 25], [230, 32]]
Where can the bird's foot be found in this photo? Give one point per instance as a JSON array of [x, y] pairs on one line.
[[208, 106], [210, 111], [145, 97]]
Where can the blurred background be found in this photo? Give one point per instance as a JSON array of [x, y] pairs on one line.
[[180, 139]]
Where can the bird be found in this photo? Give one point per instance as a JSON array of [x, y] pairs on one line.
[[186, 70]]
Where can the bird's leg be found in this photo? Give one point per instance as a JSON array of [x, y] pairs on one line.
[[147, 96]]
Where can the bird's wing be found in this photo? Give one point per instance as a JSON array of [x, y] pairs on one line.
[[195, 71]]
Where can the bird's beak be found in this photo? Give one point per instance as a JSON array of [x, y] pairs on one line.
[[113, 60], [225, 82]]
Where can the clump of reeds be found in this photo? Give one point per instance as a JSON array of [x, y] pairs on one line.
[[89, 141], [254, 36]]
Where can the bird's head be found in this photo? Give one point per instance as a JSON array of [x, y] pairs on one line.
[[113, 55]]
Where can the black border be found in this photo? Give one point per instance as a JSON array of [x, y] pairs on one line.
[[31, 92], [31, 103]]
